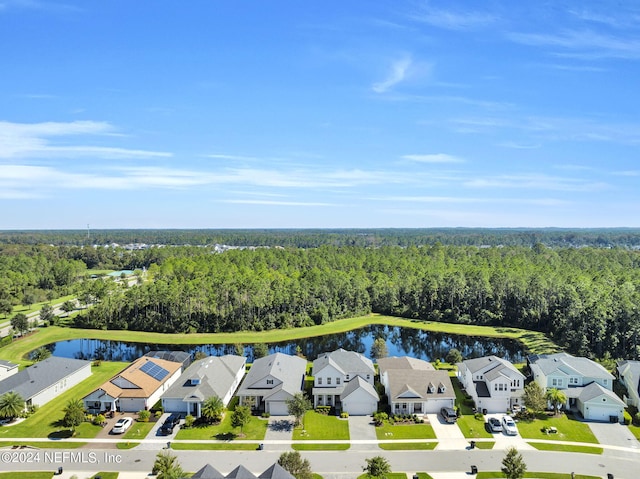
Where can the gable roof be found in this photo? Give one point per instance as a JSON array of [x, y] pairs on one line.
[[415, 383], [493, 366], [208, 472], [217, 375], [40, 376], [276, 471], [175, 356], [564, 364], [288, 369], [143, 384], [594, 390], [629, 373], [241, 472], [347, 362], [356, 384]]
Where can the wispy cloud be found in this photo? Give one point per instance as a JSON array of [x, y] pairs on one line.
[[277, 203], [32, 140], [434, 158], [396, 75], [453, 19], [536, 181]]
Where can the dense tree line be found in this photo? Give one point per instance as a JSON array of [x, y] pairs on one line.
[[587, 299], [313, 238]]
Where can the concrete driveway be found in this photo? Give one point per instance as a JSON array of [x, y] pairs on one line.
[[613, 434], [362, 433], [449, 434]]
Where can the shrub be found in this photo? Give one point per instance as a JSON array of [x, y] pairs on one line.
[[189, 420], [144, 416], [344, 415], [323, 410], [479, 416], [266, 415], [89, 418], [158, 414], [379, 418], [99, 420], [627, 418], [636, 419], [97, 362]]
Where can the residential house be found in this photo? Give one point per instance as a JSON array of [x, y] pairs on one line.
[[46, 380], [629, 375], [413, 386], [345, 380], [575, 376], [176, 356], [213, 376], [7, 368], [275, 471], [494, 383], [136, 388], [271, 381]]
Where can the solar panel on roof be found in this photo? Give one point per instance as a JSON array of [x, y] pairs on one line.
[[153, 370]]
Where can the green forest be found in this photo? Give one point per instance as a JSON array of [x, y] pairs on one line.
[[586, 299]]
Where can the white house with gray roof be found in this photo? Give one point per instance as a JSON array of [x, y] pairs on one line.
[[212, 376], [271, 381], [413, 386], [494, 383], [629, 375], [573, 375], [344, 379], [45, 380], [7, 368]]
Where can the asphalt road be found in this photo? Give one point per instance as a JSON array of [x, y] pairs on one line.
[[330, 464]]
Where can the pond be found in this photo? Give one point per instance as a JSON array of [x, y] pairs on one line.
[[400, 342]]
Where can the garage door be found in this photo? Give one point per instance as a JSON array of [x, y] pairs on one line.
[[600, 413], [359, 408], [434, 405], [174, 405], [277, 408]]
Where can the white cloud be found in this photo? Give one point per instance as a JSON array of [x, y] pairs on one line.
[[454, 20], [397, 74], [32, 140], [535, 181], [276, 203], [433, 158]]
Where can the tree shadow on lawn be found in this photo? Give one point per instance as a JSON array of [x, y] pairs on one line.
[[226, 436]]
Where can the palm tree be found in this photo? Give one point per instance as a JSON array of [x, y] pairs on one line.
[[556, 398], [73, 414], [167, 466], [11, 405], [212, 409]]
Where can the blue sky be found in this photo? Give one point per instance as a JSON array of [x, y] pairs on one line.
[[332, 113]]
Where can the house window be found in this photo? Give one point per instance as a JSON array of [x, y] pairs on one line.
[[346, 378], [556, 382], [337, 380], [368, 377], [269, 381], [573, 380], [328, 380], [319, 381]]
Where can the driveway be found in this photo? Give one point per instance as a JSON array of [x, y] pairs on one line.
[[280, 428], [362, 433], [613, 434], [449, 434]]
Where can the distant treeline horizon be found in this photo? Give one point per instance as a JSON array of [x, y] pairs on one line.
[[315, 237]]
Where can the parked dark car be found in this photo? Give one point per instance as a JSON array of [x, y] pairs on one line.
[[169, 424], [448, 414]]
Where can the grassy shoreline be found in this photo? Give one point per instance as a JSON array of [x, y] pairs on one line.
[[533, 341]]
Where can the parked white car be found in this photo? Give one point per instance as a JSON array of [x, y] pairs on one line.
[[509, 426], [122, 425]]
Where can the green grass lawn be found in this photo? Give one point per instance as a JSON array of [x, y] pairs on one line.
[[635, 430], [405, 431], [460, 397], [424, 475], [45, 422], [485, 444], [318, 427], [255, 430], [319, 447], [138, 430], [543, 446], [473, 428], [535, 342], [45, 444], [215, 446], [568, 429], [127, 445], [408, 446], [26, 475], [391, 475], [106, 475]]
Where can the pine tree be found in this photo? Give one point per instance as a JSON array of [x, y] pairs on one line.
[[513, 465]]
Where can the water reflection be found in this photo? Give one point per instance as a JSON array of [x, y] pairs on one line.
[[400, 342]]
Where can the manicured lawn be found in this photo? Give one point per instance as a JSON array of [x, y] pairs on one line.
[[408, 446], [127, 445], [460, 397], [568, 429], [544, 446], [537, 475], [319, 447], [424, 475], [402, 431], [535, 342], [318, 427], [45, 444], [635, 430], [46, 421], [107, 475], [255, 430], [235, 446], [138, 430], [485, 444], [391, 475], [473, 428]]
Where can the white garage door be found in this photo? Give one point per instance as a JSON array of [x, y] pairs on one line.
[[434, 405], [359, 408], [599, 413], [174, 405], [277, 408]]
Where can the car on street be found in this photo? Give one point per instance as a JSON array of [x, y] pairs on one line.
[[448, 414], [494, 424], [122, 425], [509, 426], [169, 424]]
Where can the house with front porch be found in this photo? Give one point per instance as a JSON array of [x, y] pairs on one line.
[[494, 384], [413, 386], [136, 388], [576, 377], [271, 381], [213, 376], [345, 380]]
